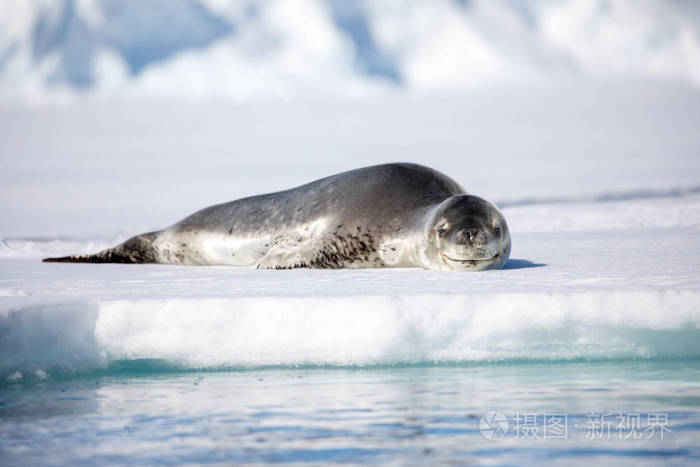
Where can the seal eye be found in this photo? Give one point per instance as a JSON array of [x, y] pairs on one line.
[[442, 229], [498, 231]]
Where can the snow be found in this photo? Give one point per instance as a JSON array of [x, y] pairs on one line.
[[599, 186], [610, 293], [248, 50], [579, 122], [155, 162]]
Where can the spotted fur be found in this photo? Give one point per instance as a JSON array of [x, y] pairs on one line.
[[380, 216]]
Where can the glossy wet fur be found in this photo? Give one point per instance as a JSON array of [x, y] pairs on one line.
[[380, 216], [467, 233]]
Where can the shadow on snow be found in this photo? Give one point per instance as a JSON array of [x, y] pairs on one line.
[[522, 264]]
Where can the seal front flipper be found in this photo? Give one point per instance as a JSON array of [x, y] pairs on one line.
[[138, 249], [290, 251]]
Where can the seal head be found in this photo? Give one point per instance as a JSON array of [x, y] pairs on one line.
[[465, 233]]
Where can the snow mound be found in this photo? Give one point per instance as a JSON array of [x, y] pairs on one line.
[[249, 49], [210, 333], [45, 247]]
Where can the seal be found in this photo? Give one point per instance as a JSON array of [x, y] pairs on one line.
[[390, 215]]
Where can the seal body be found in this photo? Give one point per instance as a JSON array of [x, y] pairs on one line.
[[391, 215]]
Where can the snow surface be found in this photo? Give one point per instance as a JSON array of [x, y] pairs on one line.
[[600, 189], [579, 118], [96, 169], [589, 294]]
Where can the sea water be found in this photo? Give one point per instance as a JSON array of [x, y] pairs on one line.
[[536, 412]]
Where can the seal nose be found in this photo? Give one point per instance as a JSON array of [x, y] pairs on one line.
[[468, 236]]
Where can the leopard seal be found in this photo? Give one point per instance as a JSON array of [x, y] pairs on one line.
[[390, 215]]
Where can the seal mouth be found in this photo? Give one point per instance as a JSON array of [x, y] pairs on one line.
[[471, 261]]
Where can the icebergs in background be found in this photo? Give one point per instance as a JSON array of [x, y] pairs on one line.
[[241, 50]]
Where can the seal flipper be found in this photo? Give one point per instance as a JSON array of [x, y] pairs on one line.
[[138, 249]]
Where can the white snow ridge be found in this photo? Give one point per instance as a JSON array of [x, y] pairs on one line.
[[209, 333], [250, 49]]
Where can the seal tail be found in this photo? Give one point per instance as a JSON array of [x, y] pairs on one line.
[[138, 249]]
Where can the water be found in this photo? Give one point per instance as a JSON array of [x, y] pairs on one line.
[[144, 414]]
